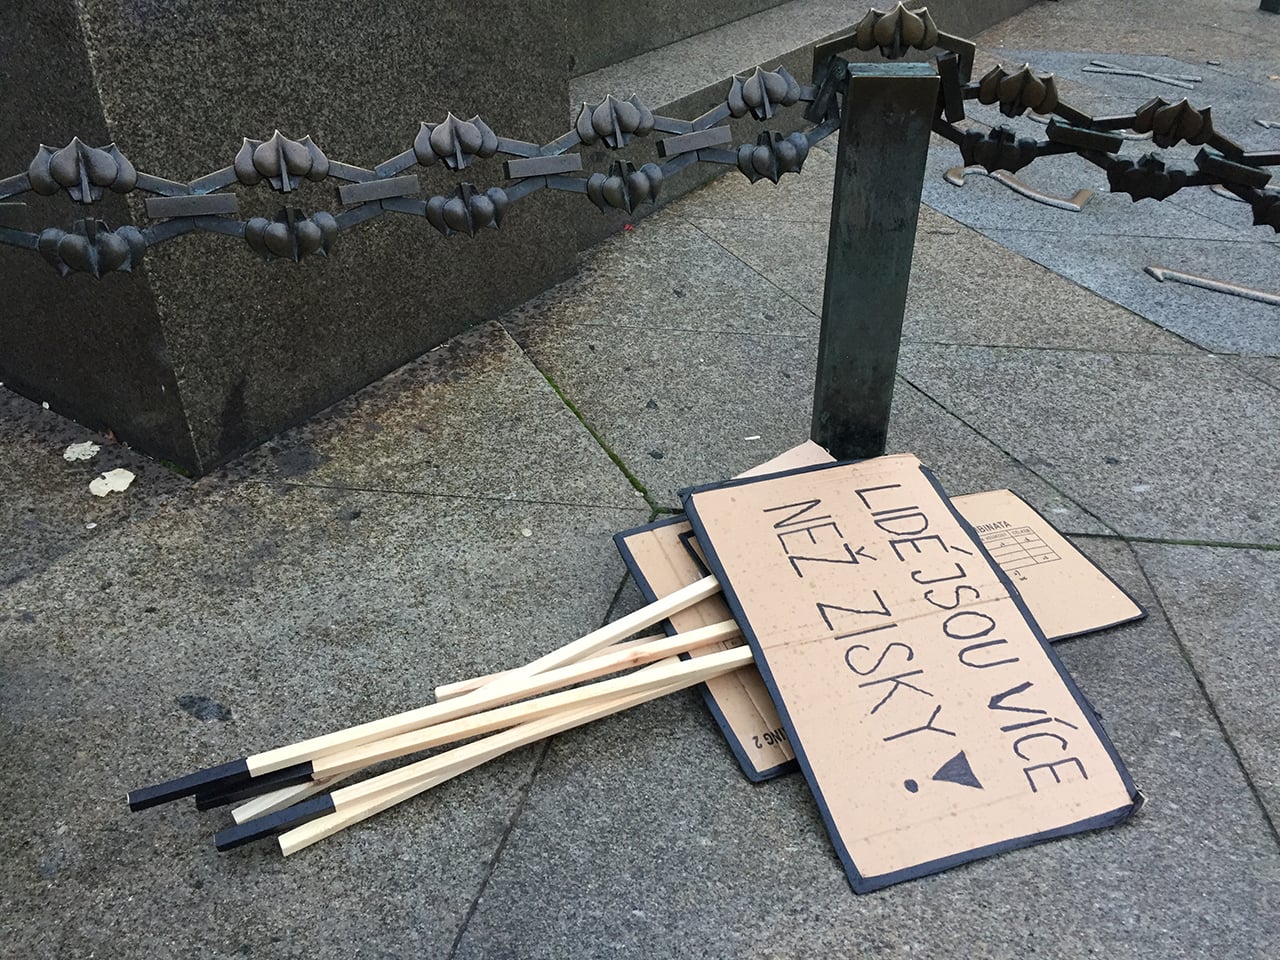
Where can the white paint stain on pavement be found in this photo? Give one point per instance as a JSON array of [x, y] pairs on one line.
[[113, 481], [81, 451]]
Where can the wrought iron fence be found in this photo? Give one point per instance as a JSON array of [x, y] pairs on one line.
[[85, 173]]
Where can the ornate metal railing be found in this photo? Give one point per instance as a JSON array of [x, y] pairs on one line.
[[84, 173]]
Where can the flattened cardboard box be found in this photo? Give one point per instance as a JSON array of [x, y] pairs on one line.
[[1050, 573], [929, 715]]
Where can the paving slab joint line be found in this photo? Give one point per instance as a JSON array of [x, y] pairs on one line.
[[492, 867], [599, 438], [436, 494], [1176, 542], [769, 280], [1031, 470], [1208, 699], [526, 790]]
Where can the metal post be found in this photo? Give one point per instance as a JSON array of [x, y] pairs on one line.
[[884, 137], [1270, 6]]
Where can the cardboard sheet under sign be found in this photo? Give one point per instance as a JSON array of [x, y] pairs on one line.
[[1065, 593], [928, 713]]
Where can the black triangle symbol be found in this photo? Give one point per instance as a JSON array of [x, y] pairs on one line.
[[957, 770]]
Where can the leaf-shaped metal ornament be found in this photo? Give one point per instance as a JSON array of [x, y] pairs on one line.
[[92, 247], [455, 141], [1172, 123], [468, 210], [896, 31], [762, 93], [81, 170], [625, 187], [614, 121], [280, 161], [1018, 92], [291, 235]]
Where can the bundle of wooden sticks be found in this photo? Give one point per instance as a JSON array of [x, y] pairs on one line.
[[285, 791]]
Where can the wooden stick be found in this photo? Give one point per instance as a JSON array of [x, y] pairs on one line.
[[346, 762], [436, 770], [473, 724], [447, 691], [653, 680], [283, 798], [227, 776]]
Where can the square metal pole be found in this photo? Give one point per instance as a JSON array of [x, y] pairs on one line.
[[884, 138]]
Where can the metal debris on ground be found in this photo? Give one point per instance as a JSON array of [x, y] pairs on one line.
[[1218, 286], [1175, 80], [956, 177]]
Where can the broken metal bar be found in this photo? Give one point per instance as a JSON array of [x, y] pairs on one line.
[[542, 166], [166, 188], [1217, 286], [385, 189], [956, 177], [699, 139], [401, 161], [203, 205], [214, 181]]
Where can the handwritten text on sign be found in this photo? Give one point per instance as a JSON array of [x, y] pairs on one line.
[[932, 720]]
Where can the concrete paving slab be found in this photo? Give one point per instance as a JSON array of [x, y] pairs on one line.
[[1114, 267], [641, 838], [257, 616], [1264, 368], [666, 275], [1223, 603], [964, 288], [471, 418], [1227, 210], [46, 508], [681, 408], [1202, 31], [1179, 448]]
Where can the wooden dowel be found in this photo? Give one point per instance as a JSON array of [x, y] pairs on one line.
[[422, 776], [652, 680], [447, 691], [465, 758], [613, 660], [283, 798], [434, 713], [236, 773], [474, 724]]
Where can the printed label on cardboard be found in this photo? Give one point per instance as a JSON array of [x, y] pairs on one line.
[[1066, 594], [929, 715]]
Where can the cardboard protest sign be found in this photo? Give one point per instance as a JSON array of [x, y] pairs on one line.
[[1052, 576], [928, 713], [1050, 573], [663, 557]]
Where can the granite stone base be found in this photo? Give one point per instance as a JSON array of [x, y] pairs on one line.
[[206, 349]]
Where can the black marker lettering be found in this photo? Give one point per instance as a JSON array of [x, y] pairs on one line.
[[790, 521], [928, 726], [897, 682], [882, 612]]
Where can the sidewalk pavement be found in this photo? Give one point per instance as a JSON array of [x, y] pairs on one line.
[[455, 518]]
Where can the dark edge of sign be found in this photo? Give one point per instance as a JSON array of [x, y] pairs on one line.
[[857, 881], [749, 769], [1081, 700], [1142, 613]]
